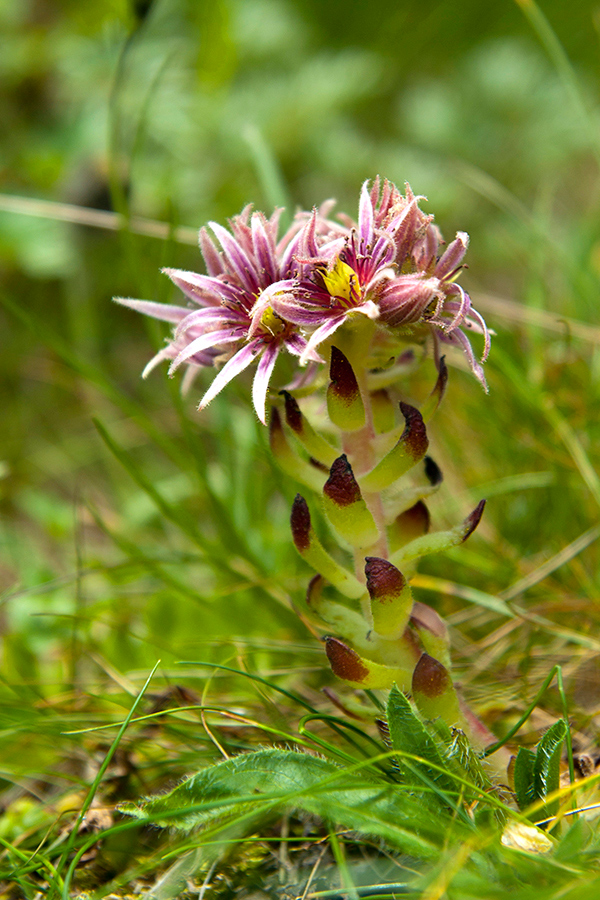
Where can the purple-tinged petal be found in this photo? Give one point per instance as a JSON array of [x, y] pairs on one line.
[[165, 353], [365, 218], [188, 379], [202, 318], [211, 339], [260, 384], [237, 259], [233, 367], [263, 251], [458, 339], [203, 288], [453, 256], [478, 324], [321, 334], [459, 309], [212, 258], [164, 311]]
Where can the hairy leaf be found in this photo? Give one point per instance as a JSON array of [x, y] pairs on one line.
[[238, 791], [523, 777], [409, 735]]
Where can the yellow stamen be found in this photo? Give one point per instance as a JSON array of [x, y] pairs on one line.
[[271, 322], [341, 282]]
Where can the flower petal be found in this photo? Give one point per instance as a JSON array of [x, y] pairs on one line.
[[210, 339], [238, 261], [202, 288], [260, 384], [164, 311], [233, 367]]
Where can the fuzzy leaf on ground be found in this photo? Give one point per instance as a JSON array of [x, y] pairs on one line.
[[238, 790]]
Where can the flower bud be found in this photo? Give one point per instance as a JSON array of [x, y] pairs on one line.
[[411, 447], [391, 597], [344, 403], [345, 507], [310, 548]]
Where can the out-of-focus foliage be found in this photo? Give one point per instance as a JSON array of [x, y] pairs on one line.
[[170, 537]]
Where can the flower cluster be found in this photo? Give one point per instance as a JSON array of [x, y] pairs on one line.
[[262, 294]]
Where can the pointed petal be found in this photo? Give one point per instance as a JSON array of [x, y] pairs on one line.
[[164, 311], [453, 256], [237, 259], [321, 334], [165, 353], [210, 315], [233, 367], [203, 342], [263, 250], [261, 380], [212, 257], [365, 218], [202, 288]]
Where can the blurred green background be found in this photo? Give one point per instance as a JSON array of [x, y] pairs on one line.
[[183, 112]]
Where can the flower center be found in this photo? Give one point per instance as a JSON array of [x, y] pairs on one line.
[[271, 322], [341, 282]]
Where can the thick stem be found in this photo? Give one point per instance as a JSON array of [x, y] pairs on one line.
[[358, 446]]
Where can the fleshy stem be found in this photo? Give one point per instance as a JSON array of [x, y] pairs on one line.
[[359, 448]]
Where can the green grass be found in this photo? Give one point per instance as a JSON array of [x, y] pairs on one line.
[[138, 533]]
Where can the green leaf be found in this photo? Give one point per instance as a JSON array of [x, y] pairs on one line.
[[234, 794], [523, 777], [409, 735], [546, 769], [537, 775]]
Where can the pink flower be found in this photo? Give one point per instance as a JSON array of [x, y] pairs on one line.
[[388, 267], [262, 295], [233, 321]]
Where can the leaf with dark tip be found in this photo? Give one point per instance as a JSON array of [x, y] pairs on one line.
[[434, 693], [310, 548], [359, 671], [410, 448], [286, 457], [390, 594], [345, 508], [433, 473], [315, 445], [438, 392], [344, 402], [438, 541]]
